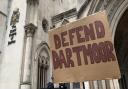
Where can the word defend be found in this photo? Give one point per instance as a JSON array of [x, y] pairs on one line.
[[14, 20], [83, 50]]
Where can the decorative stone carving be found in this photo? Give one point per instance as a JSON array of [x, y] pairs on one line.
[[45, 25], [14, 20], [15, 17], [30, 29]]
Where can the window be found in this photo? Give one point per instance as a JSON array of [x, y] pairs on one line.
[[43, 65]]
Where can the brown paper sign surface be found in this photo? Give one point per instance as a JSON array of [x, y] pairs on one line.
[[83, 50]]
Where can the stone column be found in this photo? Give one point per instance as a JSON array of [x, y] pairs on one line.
[[26, 81], [86, 84], [116, 83], [71, 85], [81, 85], [95, 84], [103, 84], [107, 84], [91, 85], [100, 86]]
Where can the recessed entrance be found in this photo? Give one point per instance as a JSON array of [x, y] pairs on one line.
[[121, 47]]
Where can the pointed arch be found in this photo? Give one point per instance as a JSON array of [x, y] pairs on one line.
[[42, 60], [117, 16]]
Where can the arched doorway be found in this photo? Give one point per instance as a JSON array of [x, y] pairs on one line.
[[121, 47]]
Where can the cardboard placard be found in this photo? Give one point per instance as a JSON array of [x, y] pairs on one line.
[[83, 50]]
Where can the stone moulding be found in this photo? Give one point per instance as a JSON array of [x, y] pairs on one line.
[[67, 14]]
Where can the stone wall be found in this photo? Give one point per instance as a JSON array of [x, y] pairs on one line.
[[3, 25], [10, 66]]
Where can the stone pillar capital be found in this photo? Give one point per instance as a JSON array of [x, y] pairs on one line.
[[30, 29]]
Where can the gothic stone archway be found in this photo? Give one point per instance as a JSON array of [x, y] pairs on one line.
[[41, 66]]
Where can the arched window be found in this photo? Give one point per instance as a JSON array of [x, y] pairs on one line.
[[43, 66], [45, 25]]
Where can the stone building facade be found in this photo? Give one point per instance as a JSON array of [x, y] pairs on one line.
[[3, 24], [25, 61]]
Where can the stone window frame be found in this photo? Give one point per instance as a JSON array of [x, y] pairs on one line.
[[43, 65], [43, 45]]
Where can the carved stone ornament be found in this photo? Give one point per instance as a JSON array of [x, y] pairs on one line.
[[15, 17], [30, 29]]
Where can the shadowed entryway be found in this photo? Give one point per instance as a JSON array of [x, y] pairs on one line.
[[121, 47]]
